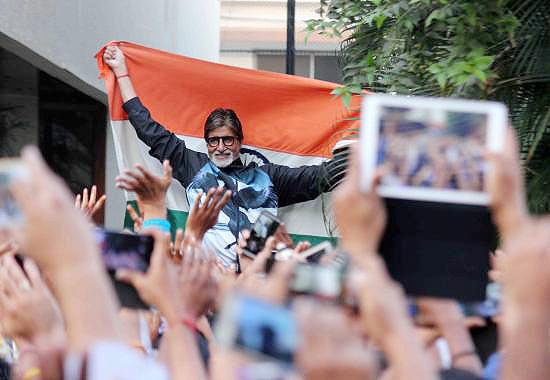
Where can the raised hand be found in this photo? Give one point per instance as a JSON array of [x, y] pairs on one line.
[[330, 349], [525, 319], [114, 58], [59, 239], [159, 286], [361, 218], [504, 183], [150, 189], [385, 317], [204, 216], [89, 205], [197, 282], [29, 310]]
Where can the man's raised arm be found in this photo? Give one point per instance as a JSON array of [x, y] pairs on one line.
[[164, 144]]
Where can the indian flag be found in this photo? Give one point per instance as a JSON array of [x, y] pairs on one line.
[[286, 120]]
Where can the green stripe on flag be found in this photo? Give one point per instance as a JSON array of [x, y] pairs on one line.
[[178, 219]]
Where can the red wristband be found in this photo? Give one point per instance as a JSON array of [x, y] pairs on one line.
[[190, 323], [122, 76]]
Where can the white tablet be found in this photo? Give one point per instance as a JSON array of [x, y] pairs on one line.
[[429, 149]]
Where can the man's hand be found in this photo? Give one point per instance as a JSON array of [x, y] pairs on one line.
[[504, 183], [197, 283], [150, 189], [57, 235], [114, 58], [330, 349], [159, 286], [205, 216], [361, 218], [382, 300], [29, 310], [89, 205]]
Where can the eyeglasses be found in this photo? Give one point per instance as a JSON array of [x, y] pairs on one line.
[[215, 141]]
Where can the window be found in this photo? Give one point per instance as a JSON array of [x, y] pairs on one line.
[[310, 65]]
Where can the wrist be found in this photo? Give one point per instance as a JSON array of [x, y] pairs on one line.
[[122, 70], [154, 210]]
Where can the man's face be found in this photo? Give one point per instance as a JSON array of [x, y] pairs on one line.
[[223, 146]]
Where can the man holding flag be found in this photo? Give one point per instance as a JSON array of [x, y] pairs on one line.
[[254, 188]]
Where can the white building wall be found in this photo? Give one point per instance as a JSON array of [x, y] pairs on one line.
[[61, 36]]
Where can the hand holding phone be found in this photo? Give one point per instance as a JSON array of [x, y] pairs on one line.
[[264, 227], [125, 251]]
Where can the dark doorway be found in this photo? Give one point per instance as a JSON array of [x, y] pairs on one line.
[[68, 126]]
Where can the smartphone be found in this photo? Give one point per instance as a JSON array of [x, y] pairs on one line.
[[258, 327], [11, 169], [321, 281], [264, 227], [314, 254], [125, 251]]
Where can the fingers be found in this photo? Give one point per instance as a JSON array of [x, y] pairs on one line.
[[99, 204], [133, 213], [178, 241], [85, 198], [208, 198], [15, 272], [137, 177], [226, 197], [167, 170], [130, 277], [93, 196], [258, 264], [197, 202], [77, 202], [33, 273]]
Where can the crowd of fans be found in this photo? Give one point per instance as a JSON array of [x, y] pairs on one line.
[[60, 317]]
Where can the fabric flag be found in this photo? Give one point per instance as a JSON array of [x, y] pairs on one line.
[[287, 120]]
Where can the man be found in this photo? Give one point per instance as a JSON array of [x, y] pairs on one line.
[[254, 188]]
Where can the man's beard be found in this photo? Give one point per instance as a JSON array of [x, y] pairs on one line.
[[222, 160]]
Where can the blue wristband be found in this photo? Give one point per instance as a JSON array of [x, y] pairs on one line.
[[159, 224]]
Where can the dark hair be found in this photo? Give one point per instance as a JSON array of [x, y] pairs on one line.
[[223, 117]]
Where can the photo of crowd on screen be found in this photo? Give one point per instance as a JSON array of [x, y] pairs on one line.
[[429, 148]]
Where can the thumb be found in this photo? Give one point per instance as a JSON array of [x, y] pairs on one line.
[[130, 277]]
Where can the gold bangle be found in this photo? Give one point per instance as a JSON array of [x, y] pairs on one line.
[[31, 373]]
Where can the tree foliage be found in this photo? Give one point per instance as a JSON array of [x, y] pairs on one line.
[[485, 49]]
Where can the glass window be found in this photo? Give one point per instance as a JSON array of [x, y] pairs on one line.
[[277, 64], [327, 68]]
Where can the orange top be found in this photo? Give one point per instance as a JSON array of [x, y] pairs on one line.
[[279, 112]]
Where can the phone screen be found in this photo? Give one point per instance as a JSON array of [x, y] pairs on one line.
[[125, 251], [258, 327], [10, 170], [326, 282], [264, 227]]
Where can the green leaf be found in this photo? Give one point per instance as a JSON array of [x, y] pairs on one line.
[[480, 75], [379, 20], [441, 80], [435, 15], [346, 99]]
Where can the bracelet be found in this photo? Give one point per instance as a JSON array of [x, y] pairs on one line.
[[462, 354], [31, 373], [191, 324], [159, 224], [122, 76]]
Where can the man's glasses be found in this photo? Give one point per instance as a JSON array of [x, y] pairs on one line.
[[215, 141]]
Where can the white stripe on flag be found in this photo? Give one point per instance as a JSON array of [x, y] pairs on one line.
[[303, 219]]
